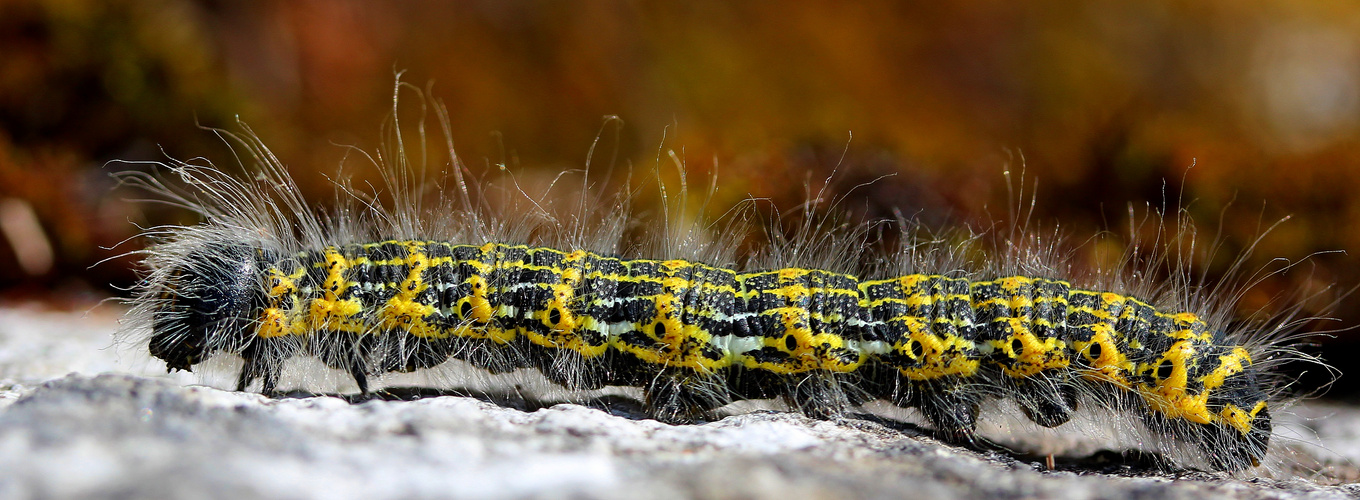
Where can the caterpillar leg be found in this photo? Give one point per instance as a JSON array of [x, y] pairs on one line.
[[674, 400], [346, 351], [356, 370], [952, 410], [259, 367], [246, 376], [408, 353], [818, 396], [1048, 399], [569, 369], [263, 358], [486, 355]]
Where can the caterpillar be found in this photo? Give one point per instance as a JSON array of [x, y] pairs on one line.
[[371, 289]]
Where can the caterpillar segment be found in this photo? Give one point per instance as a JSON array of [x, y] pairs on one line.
[[1023, 325], [696, 337]]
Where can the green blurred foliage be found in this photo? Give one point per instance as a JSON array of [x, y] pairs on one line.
[[1105, 103]]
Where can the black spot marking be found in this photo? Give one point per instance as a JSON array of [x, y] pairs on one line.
[[1165, 369], [916, 349]]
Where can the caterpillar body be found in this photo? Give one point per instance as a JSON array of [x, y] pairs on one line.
[[268, 279], [698, 337]]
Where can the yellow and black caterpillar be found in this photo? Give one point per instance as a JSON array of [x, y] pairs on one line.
[[698, 337], [371, 289]]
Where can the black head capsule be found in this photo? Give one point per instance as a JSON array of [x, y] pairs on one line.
[[209, 304]]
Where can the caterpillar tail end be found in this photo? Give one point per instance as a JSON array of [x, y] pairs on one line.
[[1231, 450]]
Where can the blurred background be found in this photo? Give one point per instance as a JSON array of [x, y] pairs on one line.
[[1245, 113]]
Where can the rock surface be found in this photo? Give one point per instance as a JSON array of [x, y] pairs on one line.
[[134, 435]]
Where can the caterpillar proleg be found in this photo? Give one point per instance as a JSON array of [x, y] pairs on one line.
[[399, 282]]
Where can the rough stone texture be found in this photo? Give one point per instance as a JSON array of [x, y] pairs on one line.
[[133, 435]]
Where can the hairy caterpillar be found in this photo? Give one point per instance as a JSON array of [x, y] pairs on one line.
[[371, 289]]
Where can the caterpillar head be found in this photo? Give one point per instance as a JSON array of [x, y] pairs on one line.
[[206, 304]]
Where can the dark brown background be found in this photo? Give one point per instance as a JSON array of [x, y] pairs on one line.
[[1108, 103]]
